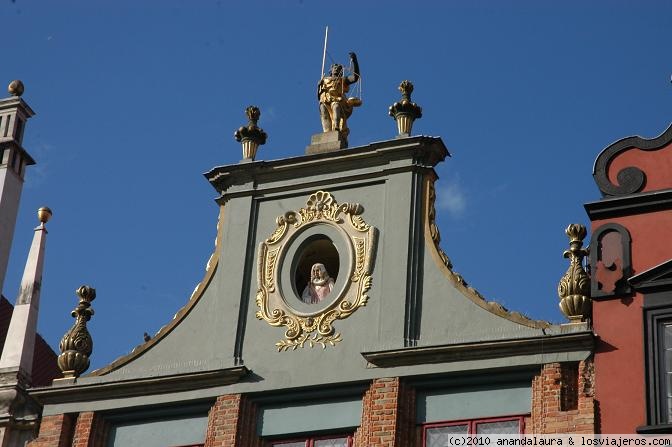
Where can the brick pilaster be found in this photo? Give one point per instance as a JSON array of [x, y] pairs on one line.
[[90, 430], [562, 399], [388, 415], [231, 422], [55, 431]]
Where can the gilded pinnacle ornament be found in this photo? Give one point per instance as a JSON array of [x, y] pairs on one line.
[[15, 88], [405, 112], [251, 136], [574, 286], [44, 214], [76, 345]]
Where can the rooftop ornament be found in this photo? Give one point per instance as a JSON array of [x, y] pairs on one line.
[[251, 136], [336, 102], [574, 286], [405, 111], [332, 93], [76, 345], [15, 88], [43, 215]]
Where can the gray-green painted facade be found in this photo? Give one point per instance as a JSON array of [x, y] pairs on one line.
[[413, 305]]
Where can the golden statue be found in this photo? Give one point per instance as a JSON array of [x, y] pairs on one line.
[[335, 107]]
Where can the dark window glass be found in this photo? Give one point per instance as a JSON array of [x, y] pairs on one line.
[[666, 366]]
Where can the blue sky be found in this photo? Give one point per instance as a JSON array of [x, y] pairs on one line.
[[135, 100]]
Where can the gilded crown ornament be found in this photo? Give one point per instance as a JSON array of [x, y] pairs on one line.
[[76, 345], [405, 112], [15, 88], [574, 286], [251, 136]]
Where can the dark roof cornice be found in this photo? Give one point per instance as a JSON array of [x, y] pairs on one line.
[[628, 205]]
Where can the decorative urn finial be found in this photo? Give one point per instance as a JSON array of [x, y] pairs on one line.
[[15, 88], [405, 112], [76, 345], [574, 286], [251, 136], [43, 215]]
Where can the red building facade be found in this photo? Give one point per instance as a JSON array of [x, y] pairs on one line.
[[630, 262]]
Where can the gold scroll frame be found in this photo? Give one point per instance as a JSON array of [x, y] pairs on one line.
[[315, 328]]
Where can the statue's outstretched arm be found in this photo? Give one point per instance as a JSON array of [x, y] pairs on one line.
[[354, 77]]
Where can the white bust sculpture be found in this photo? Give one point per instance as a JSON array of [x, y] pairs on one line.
[[320, 285]]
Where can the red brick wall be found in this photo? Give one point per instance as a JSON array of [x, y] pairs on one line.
[[563, 399], [231, 422], [55, 431], [90, 430], [388, 415], [562, 402]]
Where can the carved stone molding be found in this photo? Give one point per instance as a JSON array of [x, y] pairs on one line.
[[462, 352], [277, 301], [63, 392]]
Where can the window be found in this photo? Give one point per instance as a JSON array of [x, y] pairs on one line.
[[321, 441], [177, 426], [665, 338], [659, 365], [436, 435], [656, 286]]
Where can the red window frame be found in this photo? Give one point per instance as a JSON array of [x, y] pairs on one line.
[[309, 440], [472, 424]]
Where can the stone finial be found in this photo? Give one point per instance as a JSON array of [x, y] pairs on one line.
[[251, 136], [405, 112], [76, 345], [574, 286], [15, 88]]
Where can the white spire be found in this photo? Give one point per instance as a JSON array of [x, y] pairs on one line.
[[17, 353]]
